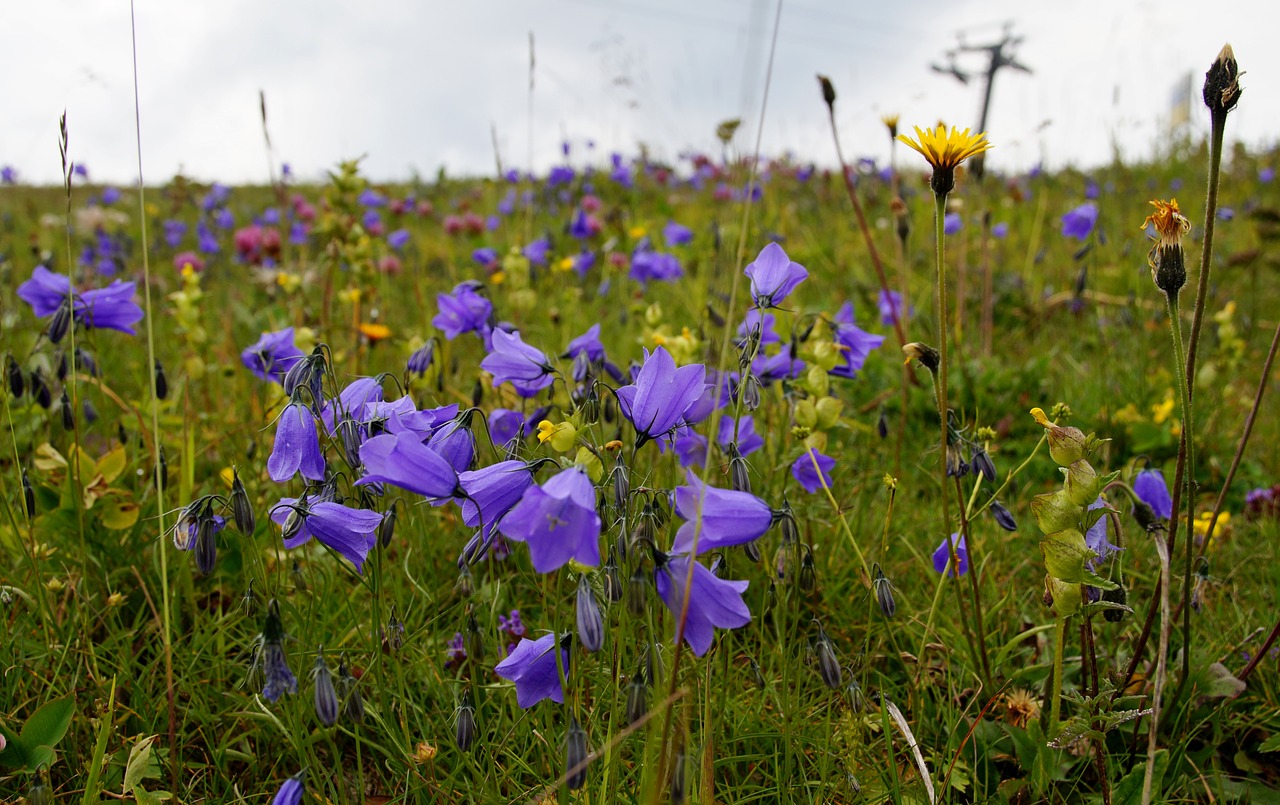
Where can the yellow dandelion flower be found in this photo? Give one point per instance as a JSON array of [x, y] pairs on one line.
[[891, 123], [945, 151], [374, 332], [636, 232]]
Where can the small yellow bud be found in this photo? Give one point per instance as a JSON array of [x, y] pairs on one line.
[[54, 585], [115, 600]]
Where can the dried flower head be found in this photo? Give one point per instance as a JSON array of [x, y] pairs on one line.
[[1222, 83], [1167, 258], [1020, 707], [945, 151]]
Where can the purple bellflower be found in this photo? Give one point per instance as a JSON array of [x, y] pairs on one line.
[[558, 521], [773, 276], [109, 308], [589, 343], [780, 366], [454, 442], [855, 344], [351, 401], [808, 476], [1152, 490], [504, 425], [291, 792], [691, 447], [532, 667], [1078, 223], [513, 360], [713, 602], [272, 355], [674, 234], [951, 223], [1096, 537], [403, 460], [297, 446], [493, 491], [890, 305], [656, 403], [724, 517], [647, 266], [748, 440], [756, 318], [463, 310], [350, 532], [943, 555]]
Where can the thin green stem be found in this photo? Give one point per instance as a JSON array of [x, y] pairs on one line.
[[1188, 442], [1059, 650]]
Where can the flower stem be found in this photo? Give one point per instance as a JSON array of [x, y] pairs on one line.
[[1059, 650], [1188, 442]]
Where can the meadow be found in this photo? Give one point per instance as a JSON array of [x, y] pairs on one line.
[[611, 484]]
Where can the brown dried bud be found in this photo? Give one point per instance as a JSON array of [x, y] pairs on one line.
[[1222, 83]]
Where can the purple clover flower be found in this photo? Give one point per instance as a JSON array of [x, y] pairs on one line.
[[773, 276]]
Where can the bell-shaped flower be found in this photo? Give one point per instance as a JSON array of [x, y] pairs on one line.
[[352, 401], [713, 602], [558, 521], [455, 443], [513, 360], [403, 460], [773, 276], [272, 355], [744, 434], [1152, 490], [109, 308], [723, 516], [350, 532], [960, 566], [463, 310], [532, 666], [656, 403], [297, 446], [804, 471], [854, 343], [492, 491]]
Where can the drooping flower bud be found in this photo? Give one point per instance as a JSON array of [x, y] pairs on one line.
[[28, 495], [637, 592], [387, 528], [68, 413], [60, 322], [575, 756], [982, 464], [352, 701], [326, 697], [739, 472], [241, 508], [808, 579], [1004, 518], [884, 592], [13, 373], [1117, 596], [464, 732], [590, 621], [40, 390], [828, 665], [828, 91], [678, 778], [926, 355], [162, 382]]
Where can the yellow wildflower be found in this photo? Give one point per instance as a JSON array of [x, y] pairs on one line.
[[945, 151], [374, 332]]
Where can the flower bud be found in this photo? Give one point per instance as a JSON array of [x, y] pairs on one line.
[[828, 665], [575, 756], [636, 593], [60, 322], [637, 698], [739, 474], [926, 355], [40, 390], [1083, 484], [39, 794], [28, 495], [982, 464], [162, 382], [613, 588], [678, 779], [1117, 596], [13, 373], [68, 413], [352, 701], [206, 547], [326, 697], [853, 691], [241, 508], [464, 732], [884, 593], [590, 622], [751, 392], [1222, 90], [808, 579], [387, 528], [828, 91], [1004, 518], [1146, 516], [620, 480]]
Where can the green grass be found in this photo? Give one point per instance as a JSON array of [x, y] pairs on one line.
[[791, 740]]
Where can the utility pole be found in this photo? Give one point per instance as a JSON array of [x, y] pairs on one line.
[[1000, 54]]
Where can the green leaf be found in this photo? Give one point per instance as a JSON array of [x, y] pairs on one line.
[[15, 754], [1216, 682], [1272, 744], [141, 765], [48, 724], [91, 787], [1065, 554], [1129, 790]]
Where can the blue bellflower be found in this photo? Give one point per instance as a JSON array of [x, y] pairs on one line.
[[493, 491], [514, 361], [943, 555], [808, 476], [109, 308], [558, 521], [773, 276], [724, 516], [713, 602], [350, 532], [656, 403], [531, 665], [272, 355], [463, 310], [855, 344], [1079, 223], [297, 446], [1152, 490], [403, 460]]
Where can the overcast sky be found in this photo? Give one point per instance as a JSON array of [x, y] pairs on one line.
[[416, 84]]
